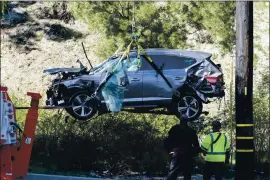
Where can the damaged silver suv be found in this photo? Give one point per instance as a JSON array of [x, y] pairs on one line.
[[191, 73]]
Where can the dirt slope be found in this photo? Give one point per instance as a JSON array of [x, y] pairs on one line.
[[28, 48]]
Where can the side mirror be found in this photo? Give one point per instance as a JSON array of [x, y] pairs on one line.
[[218, 65]]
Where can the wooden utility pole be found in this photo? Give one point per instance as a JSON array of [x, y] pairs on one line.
[[243, 91]]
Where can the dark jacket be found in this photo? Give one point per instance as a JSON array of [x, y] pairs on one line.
[[182, 140]]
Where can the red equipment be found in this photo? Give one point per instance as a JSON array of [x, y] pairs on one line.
[[14, 156]]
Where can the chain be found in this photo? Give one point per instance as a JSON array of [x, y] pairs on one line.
[[133, 20], [133, 24]]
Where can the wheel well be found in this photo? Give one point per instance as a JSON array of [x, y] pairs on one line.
[[183, 90], [77, 90], [69, 91], [173, 107], [72, 91]]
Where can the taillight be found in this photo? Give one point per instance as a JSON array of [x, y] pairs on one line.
[[214, 79], [211, 79]]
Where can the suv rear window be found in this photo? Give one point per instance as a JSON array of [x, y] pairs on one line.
[[168, 62]]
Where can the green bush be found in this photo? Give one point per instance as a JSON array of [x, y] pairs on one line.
[[118, 144], [57, 32], [159, 26], [3, 7]]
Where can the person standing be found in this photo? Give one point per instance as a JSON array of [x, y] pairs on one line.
[[216, 147], [182, 145]]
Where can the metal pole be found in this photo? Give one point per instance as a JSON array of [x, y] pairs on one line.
[[243, 91]]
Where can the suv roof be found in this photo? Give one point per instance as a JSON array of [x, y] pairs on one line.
[[178, 52]]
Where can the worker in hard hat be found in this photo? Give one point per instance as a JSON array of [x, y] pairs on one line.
[[216, 147], [182, 145]]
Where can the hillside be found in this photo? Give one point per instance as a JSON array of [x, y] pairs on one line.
[[29, 48], [32, 42]]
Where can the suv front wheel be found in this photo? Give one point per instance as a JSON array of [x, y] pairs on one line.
[[83, 107], [189, 105]]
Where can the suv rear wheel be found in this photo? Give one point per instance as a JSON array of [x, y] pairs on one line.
[[83, 107], [189, 105]]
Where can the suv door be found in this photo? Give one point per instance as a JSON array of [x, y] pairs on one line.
[[133, 95], [156, 92]]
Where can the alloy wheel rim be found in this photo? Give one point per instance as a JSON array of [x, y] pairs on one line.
[[81, 105], [188, 105]]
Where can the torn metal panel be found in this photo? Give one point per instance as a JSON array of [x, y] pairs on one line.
[[58, 70]]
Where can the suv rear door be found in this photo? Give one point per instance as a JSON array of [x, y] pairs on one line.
[[156, 92]]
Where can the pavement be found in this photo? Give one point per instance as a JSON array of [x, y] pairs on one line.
[[31, 176]]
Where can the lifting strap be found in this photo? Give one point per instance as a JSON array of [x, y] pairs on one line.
[[126, 54], [101, 85], [151, 62]]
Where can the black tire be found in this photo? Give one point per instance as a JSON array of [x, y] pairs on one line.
[[190, 105], [83, 107]]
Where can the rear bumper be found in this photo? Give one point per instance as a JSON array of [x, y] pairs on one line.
[[216, 94], [220, 94]]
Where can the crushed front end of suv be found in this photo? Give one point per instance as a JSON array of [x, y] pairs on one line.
[[193, 76]]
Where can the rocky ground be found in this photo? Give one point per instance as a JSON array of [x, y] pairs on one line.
[[30, 47]]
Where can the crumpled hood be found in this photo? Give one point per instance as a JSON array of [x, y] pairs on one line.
[[57, 70]]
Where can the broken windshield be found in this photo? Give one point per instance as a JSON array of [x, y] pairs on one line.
[[104, 65]]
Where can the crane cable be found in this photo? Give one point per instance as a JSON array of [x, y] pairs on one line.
[[133, 25]]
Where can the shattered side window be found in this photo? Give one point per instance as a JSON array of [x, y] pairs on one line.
[[132, 64], [106, 65]]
